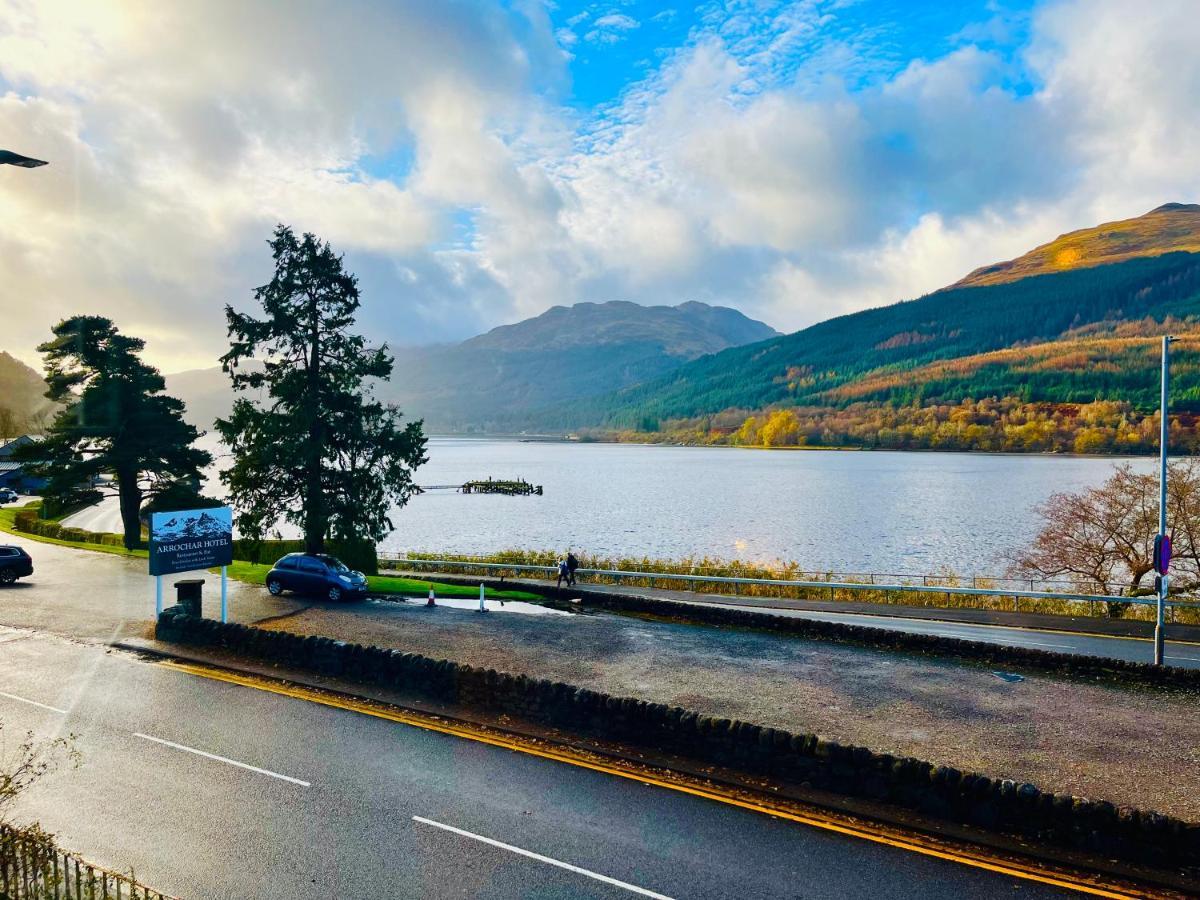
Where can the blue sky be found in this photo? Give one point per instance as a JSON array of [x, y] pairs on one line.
[[633, 38], [479, 161]]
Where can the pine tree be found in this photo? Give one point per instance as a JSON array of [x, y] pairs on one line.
[[114, 420], [318, 452]]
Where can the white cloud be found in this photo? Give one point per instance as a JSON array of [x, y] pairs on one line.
[[775, 161]]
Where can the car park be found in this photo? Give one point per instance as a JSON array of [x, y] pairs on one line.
[[318, 574], [14, 563]]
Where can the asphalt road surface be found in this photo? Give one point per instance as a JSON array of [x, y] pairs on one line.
[[100, 596], [103, 516], [212, 790], [1185, 655]]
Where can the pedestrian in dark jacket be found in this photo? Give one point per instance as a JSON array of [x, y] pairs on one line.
[[572, 565]]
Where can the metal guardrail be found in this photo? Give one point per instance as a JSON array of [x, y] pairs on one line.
[[876, 578], [852, 586], [32, 867]]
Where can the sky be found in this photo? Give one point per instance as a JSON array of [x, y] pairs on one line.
[[479, 162]]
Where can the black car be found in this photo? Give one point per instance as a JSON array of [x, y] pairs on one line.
[[307, 573], [14, 563]]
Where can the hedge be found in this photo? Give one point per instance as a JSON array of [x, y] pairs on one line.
[[358, 555], [1018, 810]]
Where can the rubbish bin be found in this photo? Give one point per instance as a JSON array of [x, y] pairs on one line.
[[188, 593]]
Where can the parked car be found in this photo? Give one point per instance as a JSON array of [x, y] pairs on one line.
[[307, 573], [8, 495], [14, 563]]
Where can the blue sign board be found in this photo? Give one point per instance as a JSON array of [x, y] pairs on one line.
[[190, 539]]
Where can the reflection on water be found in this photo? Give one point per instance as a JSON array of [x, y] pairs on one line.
[[887, 512]]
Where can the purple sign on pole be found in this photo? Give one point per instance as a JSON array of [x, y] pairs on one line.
[[1162, 553]]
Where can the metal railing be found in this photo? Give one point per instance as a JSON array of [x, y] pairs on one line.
[[875, 578], [692, 581], [32, 867]]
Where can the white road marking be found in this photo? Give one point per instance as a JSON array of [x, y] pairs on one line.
[[633, 888], [232, 762], [1039, 644], [1188, 658], [61, 712]]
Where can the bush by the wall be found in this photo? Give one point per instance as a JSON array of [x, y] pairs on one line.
[[1000, 805]]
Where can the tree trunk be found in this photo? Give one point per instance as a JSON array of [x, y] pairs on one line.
[[129, 495], [314, 500]]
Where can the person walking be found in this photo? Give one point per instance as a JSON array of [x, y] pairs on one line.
[[564, 573], [572, 565]]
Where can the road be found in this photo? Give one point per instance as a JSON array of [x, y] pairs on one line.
[[100, 596], [104, 516], [212, 790], [1185, 655]]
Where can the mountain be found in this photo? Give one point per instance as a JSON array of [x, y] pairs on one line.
[[23, 404], [501, 380], [935, 349], [1170, 227]]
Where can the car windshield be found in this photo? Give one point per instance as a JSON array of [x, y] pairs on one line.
[[334, 563]]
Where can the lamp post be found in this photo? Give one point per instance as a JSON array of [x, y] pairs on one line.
[[7, 157], [1161, 566]]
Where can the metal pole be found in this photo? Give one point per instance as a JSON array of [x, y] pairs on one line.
[[481, 606], [224, 595], [157, 596], [1164, 427]]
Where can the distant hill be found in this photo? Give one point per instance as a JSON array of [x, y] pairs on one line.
[[1170, 227], [22, 396], [945, 347], [501, 380]]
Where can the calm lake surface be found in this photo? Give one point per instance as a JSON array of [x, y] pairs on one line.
[[843, 511]]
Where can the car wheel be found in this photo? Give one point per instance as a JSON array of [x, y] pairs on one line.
[[7, 576], [335, 594], [275, 586]]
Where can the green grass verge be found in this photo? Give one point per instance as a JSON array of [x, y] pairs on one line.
[[256, 573]]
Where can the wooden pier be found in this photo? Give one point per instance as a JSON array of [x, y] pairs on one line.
[[518, 487]]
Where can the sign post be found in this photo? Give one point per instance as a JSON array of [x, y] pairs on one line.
[[187, 540], [1162, 543]]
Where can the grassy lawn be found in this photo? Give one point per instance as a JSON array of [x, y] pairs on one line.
[[254, 573]]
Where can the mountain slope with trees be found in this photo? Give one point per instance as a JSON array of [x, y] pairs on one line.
[[891, 354]]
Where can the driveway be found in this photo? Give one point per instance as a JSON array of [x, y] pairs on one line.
[[101, 597]]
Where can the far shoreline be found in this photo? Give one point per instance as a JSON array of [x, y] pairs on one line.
[[551, 439]]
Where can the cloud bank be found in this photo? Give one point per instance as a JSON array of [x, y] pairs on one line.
[[774, 160]]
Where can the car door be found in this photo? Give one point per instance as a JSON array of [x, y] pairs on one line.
[[312, 575]]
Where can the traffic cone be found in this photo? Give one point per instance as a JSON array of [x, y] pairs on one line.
[[430, 602]]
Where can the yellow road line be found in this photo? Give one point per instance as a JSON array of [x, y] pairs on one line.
[[874, 833]]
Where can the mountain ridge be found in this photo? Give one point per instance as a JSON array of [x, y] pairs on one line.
[[1143, 277], [499, 379]]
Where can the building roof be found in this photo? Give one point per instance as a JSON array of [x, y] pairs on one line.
[[7, 448]]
